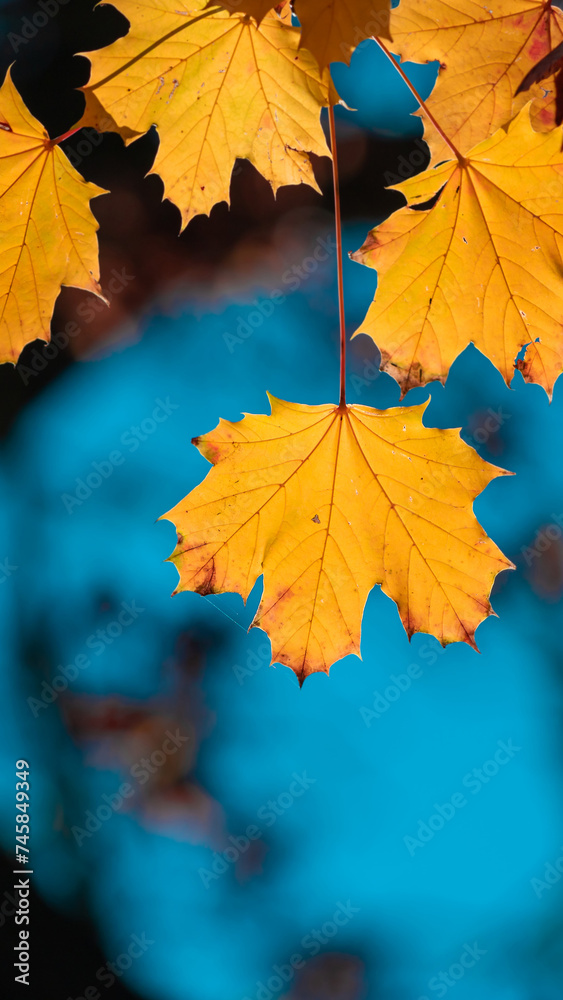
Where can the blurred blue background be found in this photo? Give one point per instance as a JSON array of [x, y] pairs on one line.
[[367, 831]]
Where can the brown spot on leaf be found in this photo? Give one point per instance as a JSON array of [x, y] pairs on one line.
[[371, 243], [207, 582]]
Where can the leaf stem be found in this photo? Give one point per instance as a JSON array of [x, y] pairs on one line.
[[422, 104], [66, 135], [338, 228]]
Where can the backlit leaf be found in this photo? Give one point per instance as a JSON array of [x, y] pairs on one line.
[[484, 50], [327, 503], [217, 88], [483, 265]]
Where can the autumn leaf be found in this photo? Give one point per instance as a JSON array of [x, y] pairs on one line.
[[217, 87], [330, 29], [327, 502], [47, 231], [482, 265], [484, 51]]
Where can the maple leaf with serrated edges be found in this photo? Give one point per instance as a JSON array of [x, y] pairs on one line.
[[326, 502], [483, 265], [47, 231], [330, 29], [484, 51], [217, 87]]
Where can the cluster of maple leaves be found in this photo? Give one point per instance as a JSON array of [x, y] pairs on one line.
[[328, 501]]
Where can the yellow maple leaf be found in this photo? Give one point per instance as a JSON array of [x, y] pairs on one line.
[[484, 51], [47, 231], [217, 87], [482, 265], [330, 29], [327, 502]]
